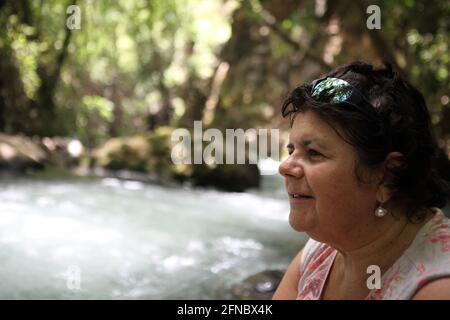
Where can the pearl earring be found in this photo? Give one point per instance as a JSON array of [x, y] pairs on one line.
[[380, 212]]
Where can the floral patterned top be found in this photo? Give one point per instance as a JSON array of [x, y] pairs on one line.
[[426, 259]]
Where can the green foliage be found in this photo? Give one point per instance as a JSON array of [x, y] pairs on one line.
[[135, 59], [102, 106], [135, 47], [422, 29], [92, 118], [26, 53]]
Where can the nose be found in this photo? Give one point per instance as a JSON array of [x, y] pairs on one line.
[[289, 168]]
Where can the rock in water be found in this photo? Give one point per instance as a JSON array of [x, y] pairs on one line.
[[260, 286]]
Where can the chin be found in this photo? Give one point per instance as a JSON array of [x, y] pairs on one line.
[[297, 222]]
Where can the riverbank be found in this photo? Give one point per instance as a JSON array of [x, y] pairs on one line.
[[145, 157]]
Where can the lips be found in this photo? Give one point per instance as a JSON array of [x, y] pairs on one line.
[[297, 195]]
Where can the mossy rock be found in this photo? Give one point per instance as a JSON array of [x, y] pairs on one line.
[[124, 153], [151, 153], [232, 177]]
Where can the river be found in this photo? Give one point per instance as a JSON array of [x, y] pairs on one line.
[[115, 239]]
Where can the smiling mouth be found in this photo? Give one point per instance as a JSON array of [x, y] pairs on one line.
[[300, 196]]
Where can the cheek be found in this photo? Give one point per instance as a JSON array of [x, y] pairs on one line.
[[336, 188]]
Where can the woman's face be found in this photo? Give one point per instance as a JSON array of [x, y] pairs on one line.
[[325, 197]]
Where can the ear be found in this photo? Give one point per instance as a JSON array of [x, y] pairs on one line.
[[393, 160]]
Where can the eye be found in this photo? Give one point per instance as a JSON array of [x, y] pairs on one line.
[[290, 148], [313, 153]]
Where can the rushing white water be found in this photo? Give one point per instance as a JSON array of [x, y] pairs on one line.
[[111, 239]]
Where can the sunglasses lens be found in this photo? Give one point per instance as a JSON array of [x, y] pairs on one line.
[[332, 90]]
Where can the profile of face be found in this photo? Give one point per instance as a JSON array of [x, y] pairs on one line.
[[326, 198]]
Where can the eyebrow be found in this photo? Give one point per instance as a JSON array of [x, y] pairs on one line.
[[307, 142]]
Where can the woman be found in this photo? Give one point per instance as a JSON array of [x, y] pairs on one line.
[[362, 184]]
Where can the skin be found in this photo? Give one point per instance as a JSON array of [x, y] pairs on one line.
[[340, 212]]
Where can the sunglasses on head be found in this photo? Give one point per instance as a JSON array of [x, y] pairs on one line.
[[335, 90]]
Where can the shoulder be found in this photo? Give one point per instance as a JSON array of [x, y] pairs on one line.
[[287, 289], [435, 290]]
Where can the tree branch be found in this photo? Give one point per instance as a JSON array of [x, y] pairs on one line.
[[271, 22], [380, 44], [63, 54]]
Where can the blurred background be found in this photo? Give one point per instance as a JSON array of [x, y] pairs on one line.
[[91, 205]]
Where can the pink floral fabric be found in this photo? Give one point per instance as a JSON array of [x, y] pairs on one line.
[[427, 259]]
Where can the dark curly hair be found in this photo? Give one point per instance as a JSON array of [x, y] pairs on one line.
[[398, 120]]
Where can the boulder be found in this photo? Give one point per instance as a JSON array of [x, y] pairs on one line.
[[20, 153], [227, 177], [150, 153], [146, 153], [260, 286], [131, 153]]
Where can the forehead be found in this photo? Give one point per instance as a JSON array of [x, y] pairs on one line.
[[309, 126]]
